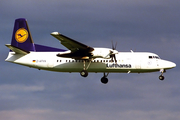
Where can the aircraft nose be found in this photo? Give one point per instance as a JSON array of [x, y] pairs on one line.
[[173, 64], [170, 64]]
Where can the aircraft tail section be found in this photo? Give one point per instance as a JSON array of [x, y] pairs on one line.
[[22, 41]]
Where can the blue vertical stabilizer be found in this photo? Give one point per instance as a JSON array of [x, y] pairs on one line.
[[21, 37]]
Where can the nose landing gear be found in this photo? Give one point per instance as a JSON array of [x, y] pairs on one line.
[[161, 77]]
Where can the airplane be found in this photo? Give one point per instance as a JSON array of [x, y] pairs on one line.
[[79, 57]]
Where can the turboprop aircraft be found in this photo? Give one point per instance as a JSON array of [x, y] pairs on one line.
[[80, 57]]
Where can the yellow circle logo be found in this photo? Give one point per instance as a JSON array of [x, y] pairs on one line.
[[21, 35]]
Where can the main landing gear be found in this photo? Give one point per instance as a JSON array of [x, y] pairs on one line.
[[84, 72], [104, 79], [161, 77]]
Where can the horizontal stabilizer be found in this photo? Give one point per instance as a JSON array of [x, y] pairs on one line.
[[17, 50]]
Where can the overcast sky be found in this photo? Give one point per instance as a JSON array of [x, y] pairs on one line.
[[140, 25]]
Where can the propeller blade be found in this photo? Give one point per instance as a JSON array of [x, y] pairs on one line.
[[113, 56], [114, 46]]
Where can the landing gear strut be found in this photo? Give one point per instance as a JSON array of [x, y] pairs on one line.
[[84, 72], [161, 77], [104, 79]]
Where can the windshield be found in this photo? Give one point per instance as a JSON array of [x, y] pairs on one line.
[[154, 57]]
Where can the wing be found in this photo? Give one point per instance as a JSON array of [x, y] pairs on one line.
[[77, 49]]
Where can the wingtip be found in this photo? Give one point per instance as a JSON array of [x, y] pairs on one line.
[[55, 33]]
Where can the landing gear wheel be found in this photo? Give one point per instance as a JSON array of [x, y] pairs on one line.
[[161, 77], [104, 80], [84, 73]]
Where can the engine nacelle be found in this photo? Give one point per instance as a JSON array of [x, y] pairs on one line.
[[103, 53]]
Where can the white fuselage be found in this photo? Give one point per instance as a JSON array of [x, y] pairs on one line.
[[134, 62]]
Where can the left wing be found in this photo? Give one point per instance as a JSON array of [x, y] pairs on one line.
[[78, 50]]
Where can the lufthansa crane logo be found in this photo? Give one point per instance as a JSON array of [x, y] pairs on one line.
[[21, 35]]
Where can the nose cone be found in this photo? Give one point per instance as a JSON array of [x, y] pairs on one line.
[[173, 65], [169, 65]]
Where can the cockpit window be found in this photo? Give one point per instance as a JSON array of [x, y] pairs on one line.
[[154, 57], [150, 57], [157, 57]]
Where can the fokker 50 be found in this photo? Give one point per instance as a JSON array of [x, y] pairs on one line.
[[80, 57]]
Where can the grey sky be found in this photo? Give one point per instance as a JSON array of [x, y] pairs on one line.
[[151, 25]]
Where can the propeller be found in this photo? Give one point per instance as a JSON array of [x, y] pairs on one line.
[[113, 52]]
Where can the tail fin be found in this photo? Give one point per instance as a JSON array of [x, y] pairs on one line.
[[21, 38]]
